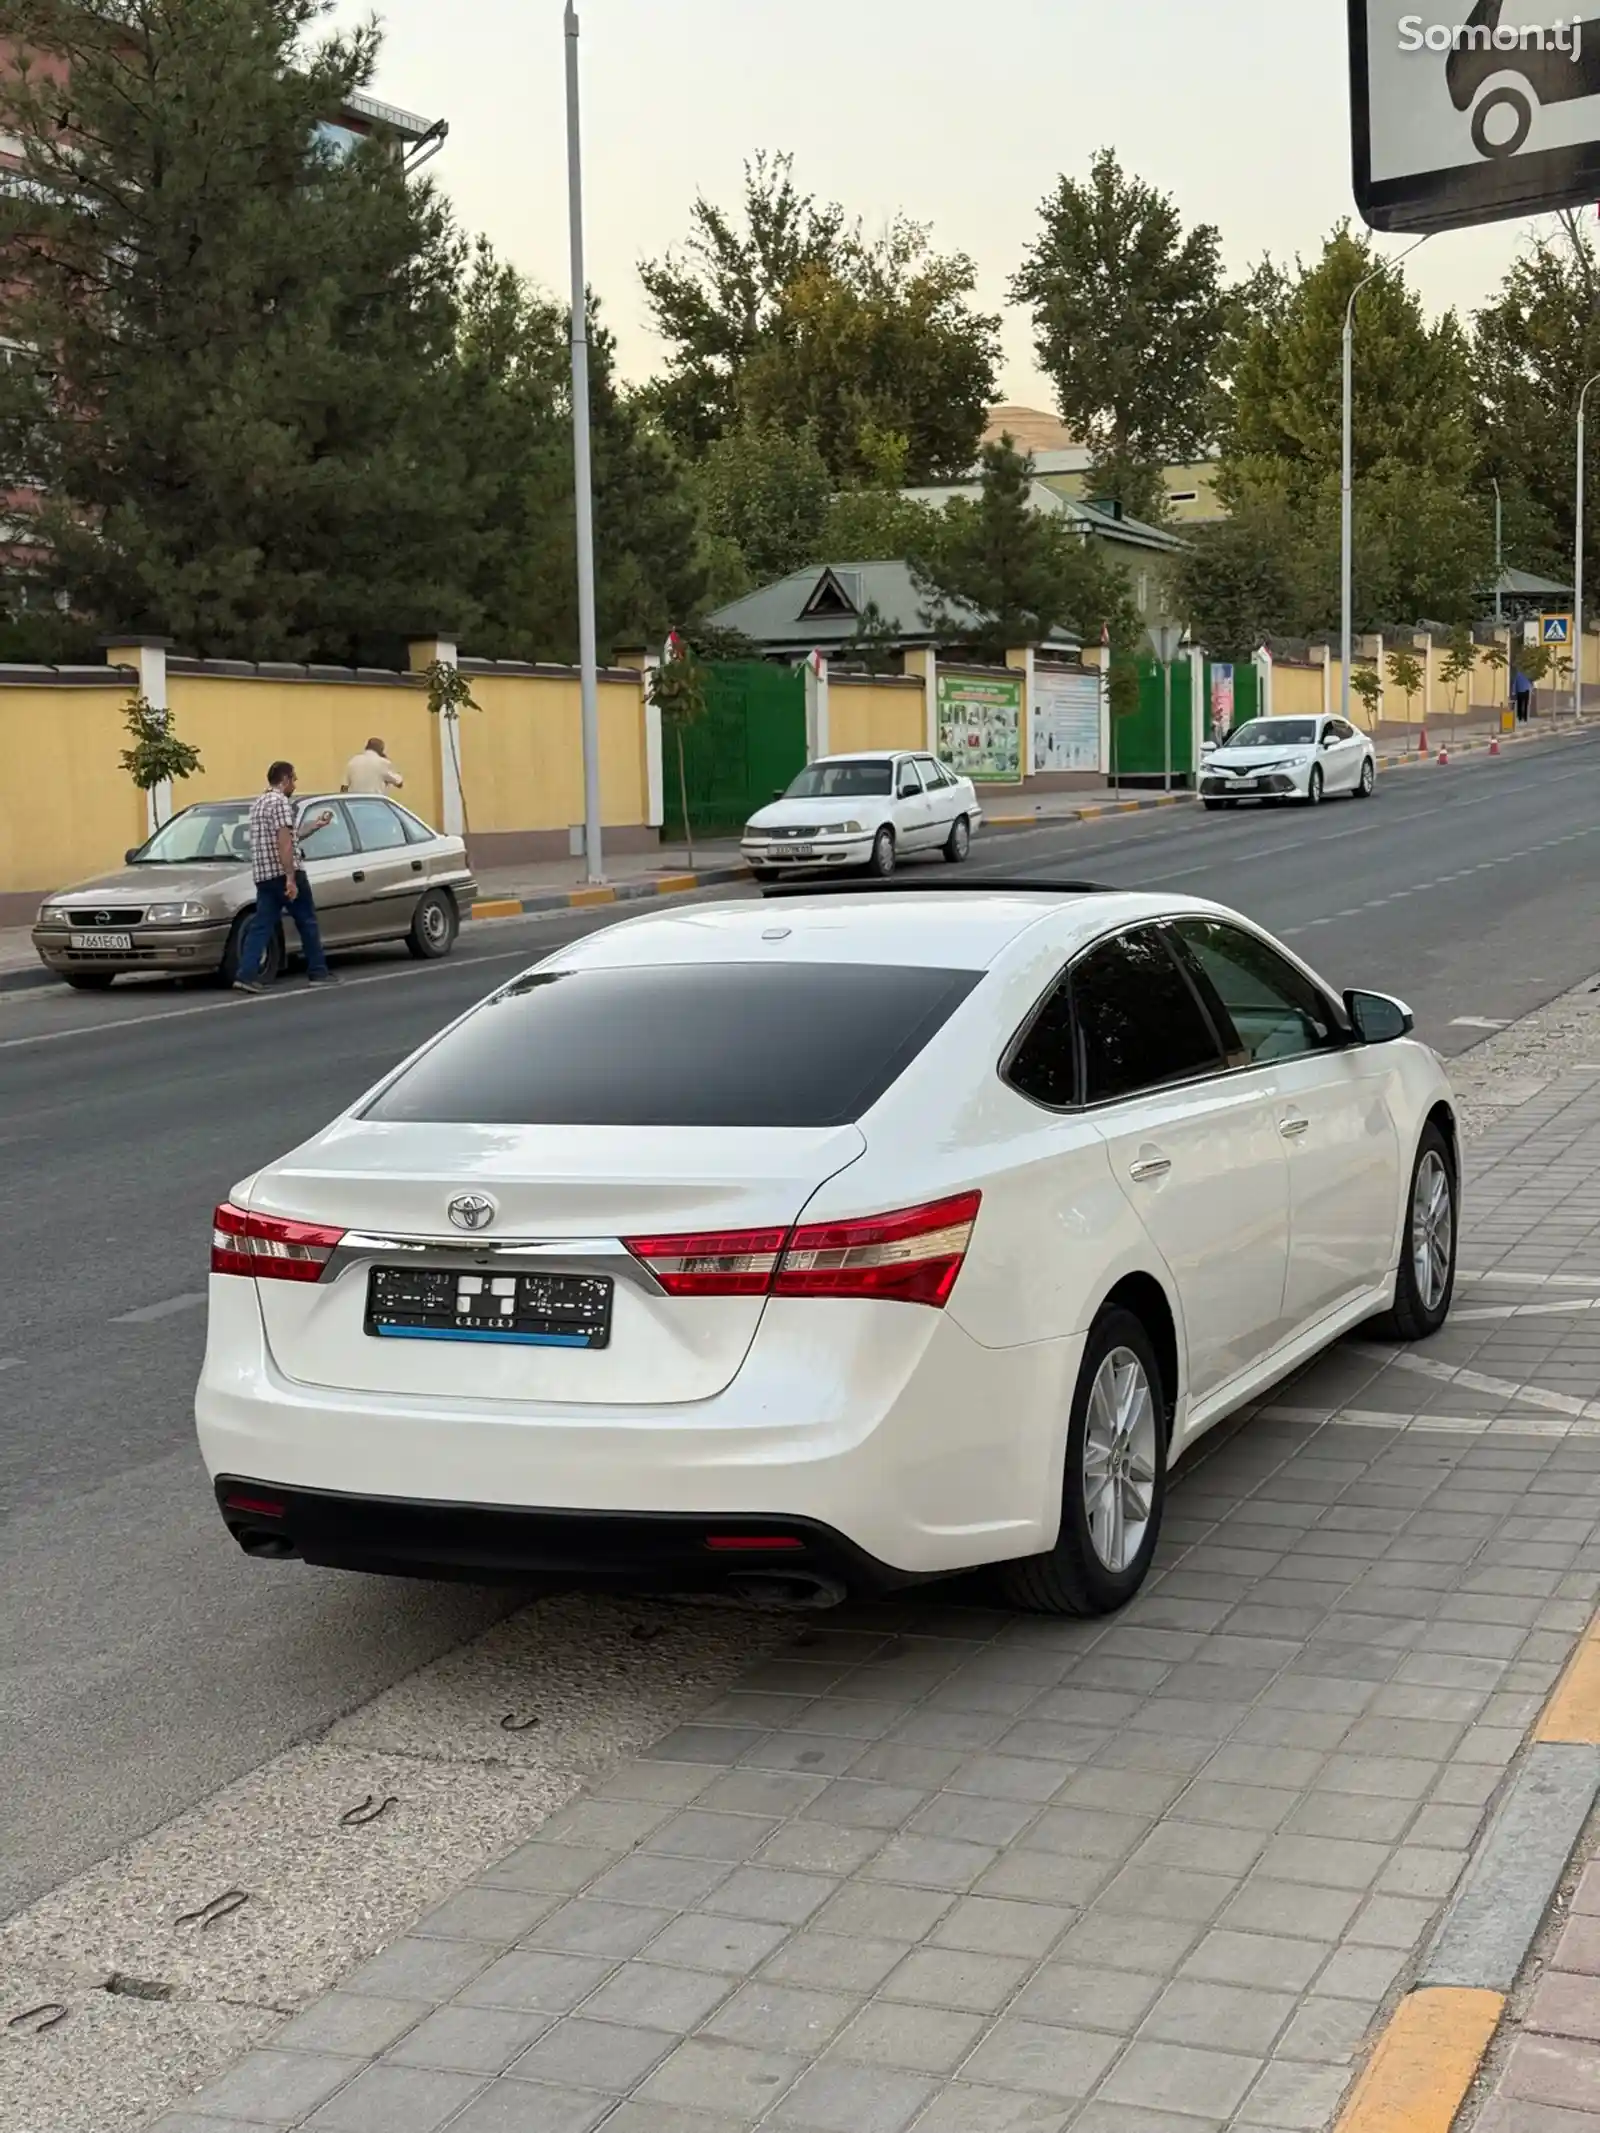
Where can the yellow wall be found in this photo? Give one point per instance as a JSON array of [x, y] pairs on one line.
[[522, 755], [1296, 691], [867, 715], [240, 725], [66, 806]]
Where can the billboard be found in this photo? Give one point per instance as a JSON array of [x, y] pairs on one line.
[[1065, 722], [1472, 111], [980, 727]]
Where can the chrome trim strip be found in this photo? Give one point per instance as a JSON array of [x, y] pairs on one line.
[[567, 1255]]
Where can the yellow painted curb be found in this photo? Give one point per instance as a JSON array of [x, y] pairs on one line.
[[1090, 814], [498, 907], [1572, 1716], [1425, 2062], [581, 897], [672, 884]]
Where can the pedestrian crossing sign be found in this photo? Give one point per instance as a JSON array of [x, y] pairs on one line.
[[1556, 629]]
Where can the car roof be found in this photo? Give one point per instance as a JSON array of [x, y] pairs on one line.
[[931, 929], [867, 755]]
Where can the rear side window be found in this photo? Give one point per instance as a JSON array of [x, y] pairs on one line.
[[1044, 1066], [377, 825], [692, 1044], [1139, 1023], [416, 832]]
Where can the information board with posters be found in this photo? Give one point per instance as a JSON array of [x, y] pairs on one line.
[[1472, 111], [980, 727], [1065, 722], [1222, 701]]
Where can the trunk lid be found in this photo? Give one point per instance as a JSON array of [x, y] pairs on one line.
[[573, 1191]]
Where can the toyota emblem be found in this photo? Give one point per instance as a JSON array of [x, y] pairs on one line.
[[472, 1210]]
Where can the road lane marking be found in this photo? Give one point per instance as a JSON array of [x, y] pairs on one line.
[[1478, 1022], [1530, 1281], [1480, 1312], [1556, 1403], [147, 1314], [10, 1362]]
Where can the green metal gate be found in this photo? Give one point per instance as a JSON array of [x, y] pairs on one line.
[[1137, 747], [750, 744]]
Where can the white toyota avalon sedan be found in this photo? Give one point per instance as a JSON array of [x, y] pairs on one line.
[[1305, 759], [825, 1243], [864, 811]]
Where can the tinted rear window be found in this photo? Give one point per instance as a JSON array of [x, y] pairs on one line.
[[696, 1044]]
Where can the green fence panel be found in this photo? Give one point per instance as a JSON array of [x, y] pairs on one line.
[[750, 744], [1137, 747]]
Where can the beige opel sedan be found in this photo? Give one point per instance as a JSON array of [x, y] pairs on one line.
[[183, 901]]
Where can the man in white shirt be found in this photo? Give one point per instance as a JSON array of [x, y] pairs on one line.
[[371, 771]]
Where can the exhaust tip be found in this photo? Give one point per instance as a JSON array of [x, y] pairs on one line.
[[803, 1594], [266, 1547]]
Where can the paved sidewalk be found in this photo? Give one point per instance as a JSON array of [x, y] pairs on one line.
[[1549, 2081], [943, 1868]]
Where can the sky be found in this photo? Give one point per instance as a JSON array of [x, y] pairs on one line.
[[962, 116]]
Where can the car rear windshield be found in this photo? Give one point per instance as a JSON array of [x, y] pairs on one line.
[[842, 781], [694, 1044], [1275, 733]]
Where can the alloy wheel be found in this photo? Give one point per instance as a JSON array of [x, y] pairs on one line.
[[1433, 1230], [1119, 1459]]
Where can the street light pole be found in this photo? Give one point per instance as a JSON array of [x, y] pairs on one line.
[[1347, 480], [1499, 552], [1577, 567], [583, 475]]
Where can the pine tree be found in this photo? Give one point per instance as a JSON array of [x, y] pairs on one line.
[[235, 382]]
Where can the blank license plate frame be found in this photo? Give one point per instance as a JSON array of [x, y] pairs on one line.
[[546, 1310]]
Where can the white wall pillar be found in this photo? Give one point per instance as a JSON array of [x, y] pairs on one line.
[[654, 775], [425, 652], [1263, 666], [1105, 714], [818, 739], [930, 708], [1199, 704], [148, 658]]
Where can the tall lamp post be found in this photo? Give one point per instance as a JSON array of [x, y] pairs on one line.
[[1347, 479], [583, 476], [1577, 564], [1499, 552]]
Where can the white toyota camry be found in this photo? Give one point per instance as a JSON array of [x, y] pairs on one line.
[[864, 811], [1304, 759], [829, 1242]]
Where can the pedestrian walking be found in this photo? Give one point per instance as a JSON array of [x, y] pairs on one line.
[[371, 771], [281, 883], [1521, 694]]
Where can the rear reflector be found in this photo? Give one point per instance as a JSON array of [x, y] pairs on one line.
[[750, 1543], [738, 1262], [269, 1247], [912, 1256], [257, 1506]]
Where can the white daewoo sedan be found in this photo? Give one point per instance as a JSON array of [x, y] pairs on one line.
[[864, 811], [1305, 759], [830, 1242]]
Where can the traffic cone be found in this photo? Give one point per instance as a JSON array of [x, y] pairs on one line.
[[1422, 742]]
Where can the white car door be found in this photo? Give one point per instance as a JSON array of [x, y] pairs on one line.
[[911, 806], [1333, 1114], [1345, 755], [1195, 1147], [941, 796]]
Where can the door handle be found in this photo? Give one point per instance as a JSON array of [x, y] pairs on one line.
[[1295, 1129], [359, 874], [1149, 1168]]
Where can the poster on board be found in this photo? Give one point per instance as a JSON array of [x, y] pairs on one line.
[[1222, 702], [980, 728], [1065, 722]]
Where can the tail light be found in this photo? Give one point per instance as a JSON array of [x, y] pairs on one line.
[[269, 1247], [739, 1262], [912, 1256]]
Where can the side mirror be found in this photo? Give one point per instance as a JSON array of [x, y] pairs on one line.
[[777, 792], [1377, 1019], [131, 856]]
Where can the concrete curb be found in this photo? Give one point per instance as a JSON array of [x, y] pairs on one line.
[[1439, 2036]]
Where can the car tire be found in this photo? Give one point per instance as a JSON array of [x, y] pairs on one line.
[[1213, 807], [271, 963], [881, 864], [1076, 1577], [88, 980], [434, 926], [959, 842], [1425, 1287], [1314, 786], [1369, 780]]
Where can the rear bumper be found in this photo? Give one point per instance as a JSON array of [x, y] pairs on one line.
[[488, 1543], [884, 1425]]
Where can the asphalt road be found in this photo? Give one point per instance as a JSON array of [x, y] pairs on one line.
[[143, 1661]]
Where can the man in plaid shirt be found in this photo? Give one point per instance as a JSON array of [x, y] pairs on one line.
[[281, 883]]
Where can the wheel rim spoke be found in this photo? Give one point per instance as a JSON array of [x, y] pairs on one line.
[[1120, 1453]]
